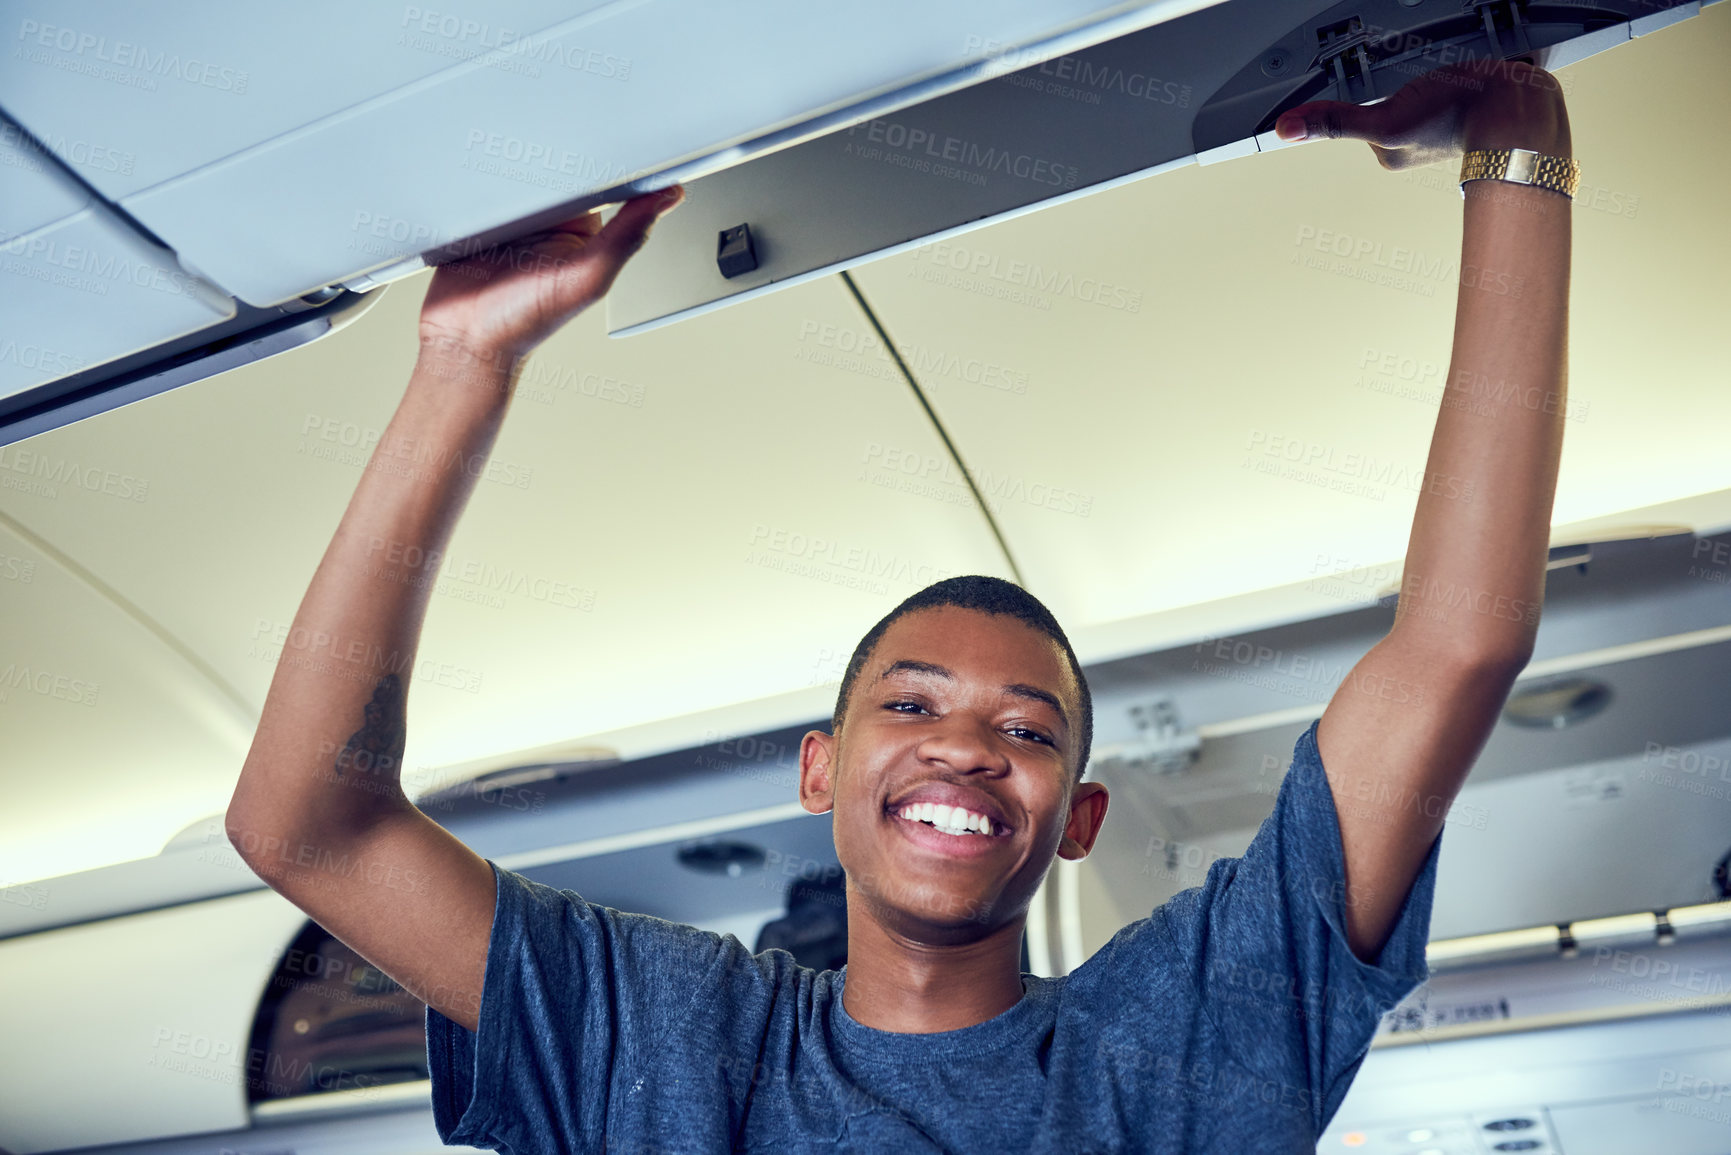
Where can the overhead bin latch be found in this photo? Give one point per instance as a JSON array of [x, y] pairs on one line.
[[1514, 41], [734, 251], [1342, 55], [1161, 745], [366, 282], [1363, 50]]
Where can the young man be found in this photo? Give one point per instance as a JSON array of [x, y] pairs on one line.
[[1231, 1020]]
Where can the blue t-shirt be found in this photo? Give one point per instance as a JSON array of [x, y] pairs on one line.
[[1230, 1020]]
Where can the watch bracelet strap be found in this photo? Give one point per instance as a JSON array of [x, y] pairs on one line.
[[1521, 166]]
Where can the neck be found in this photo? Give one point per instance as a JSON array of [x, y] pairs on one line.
[[897, 982]]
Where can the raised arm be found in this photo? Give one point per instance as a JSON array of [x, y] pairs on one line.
[[319, 811], [1404, 729]]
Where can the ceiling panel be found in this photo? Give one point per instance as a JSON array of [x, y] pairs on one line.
[[110, 737], [1143, 356], [670, 524], [711, 514]]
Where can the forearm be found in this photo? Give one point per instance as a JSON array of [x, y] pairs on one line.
[[327, 754], [1475, 563]]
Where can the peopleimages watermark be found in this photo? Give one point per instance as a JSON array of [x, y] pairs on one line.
[[936, 153], [827, 560], [392, 236], [544, 382], [75, 151], [1717, 553], [348, 443], [1446, 178], [1074, 77], [17, 677], [1418, 379], [1015, 280], [1690, 1093], [36, 358], [356, 659], [1202, 1082], [935, 476], [471, 579], [750, 756], [1351, 581], [198, 1055], [1294, 673], [1705, 775], [122, 61], [829, 667], [281, 858], [1432, 598], [1174, 859], [841, 347], [44, 256], [540, 164], [1366, 259], [1651, 968], [1353, 473], [1380, 800], [464, 38]]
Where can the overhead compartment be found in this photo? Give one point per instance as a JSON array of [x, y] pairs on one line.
[[289, 151], [1558, 819], [259, 165], [135, 1027], [1608, 1040], [211, 1019], [96, 313], [1199, 89], [79, 286], [284, 157]]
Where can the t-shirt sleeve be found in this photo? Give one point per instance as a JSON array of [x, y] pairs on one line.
[[1264, 941], [573, 992]]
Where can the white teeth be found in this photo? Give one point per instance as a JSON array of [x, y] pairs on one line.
[[955, 820]]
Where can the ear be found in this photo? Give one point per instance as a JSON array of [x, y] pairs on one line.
[[817, 771], [1087, 812]]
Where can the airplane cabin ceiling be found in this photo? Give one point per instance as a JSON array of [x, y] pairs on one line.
[[709, 515]]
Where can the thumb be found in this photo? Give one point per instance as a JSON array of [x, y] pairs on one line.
[[1330, 120], [629, 229]]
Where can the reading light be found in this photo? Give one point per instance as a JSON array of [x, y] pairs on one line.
[[1555, 705], [720, 857]]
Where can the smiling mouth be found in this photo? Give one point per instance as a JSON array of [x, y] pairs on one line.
[[952, 820]]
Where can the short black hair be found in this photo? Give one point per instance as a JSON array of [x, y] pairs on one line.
[[988, 595]]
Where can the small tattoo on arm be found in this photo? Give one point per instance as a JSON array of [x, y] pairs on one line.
[[378, 744]]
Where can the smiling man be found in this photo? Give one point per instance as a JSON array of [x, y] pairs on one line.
[[1231, 1019]]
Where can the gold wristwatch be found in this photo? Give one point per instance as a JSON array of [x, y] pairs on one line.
[[1522, 166]]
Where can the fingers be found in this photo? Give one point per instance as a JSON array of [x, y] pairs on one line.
[[585, 273], [629, 228], [626, 232], [1330, 120], [584, 226]]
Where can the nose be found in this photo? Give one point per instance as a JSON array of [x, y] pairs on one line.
[[965, 744]]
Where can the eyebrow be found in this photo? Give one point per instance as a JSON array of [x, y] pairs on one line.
[[1018, 689]]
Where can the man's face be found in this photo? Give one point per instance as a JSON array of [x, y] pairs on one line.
[[967, 710]]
